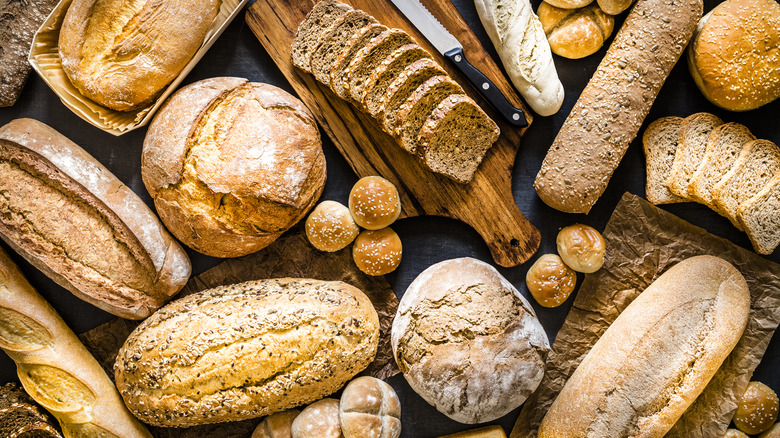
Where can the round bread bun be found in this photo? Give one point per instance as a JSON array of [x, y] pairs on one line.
[[734, 433], [278, 425], [757, 409], [550, 281], [374, 203], [575, 33], [377, 252], [569, 4], [232, 164], [773, 432], [370, 408], [734, 56], [318, 420], [330, 226], [581, 247], [468, 342]]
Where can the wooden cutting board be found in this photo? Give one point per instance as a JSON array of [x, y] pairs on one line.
[[486, 203]]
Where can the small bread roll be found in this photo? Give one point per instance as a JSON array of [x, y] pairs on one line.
[[773, 432], [575, 33], [319, 420], [569, 4], [550, 280], [374, 203], [757, 410], [734, 433], [330, 226], [377, 252], [278, 425], [581, 247], [370, 409]]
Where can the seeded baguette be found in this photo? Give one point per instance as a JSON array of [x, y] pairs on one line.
[[357, 42], [310, 31], [692, 144], [611, 109]]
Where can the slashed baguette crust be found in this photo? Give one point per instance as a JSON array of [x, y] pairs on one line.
[[611, 109]]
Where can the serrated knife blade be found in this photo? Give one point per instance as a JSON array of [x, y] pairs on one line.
[[428, 25]]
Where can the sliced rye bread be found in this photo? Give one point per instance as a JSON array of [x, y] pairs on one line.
[[758, 162], [357, 42], [311, 29], [402, 87], [760, 217], [723, 146], [324, 57], [456, 137], [369, 57], [376, 84], [660, 145], [694, 132], [415, 111]]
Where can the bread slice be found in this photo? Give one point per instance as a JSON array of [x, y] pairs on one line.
[[334, 40], [311, 29], [414, 112], [660, 145], [760, 217], [758, 162], [358, 40], [376, 84], [455, 138], [402, 87], [692, 144], [723, 146], [369, 57]]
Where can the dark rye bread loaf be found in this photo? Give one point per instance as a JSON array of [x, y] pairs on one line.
[[418, 107], [312, 28], [356, 42], [369, 57], [333, 42], [387, 71], [456, 137]]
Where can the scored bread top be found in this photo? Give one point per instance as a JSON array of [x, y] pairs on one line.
[[691, 146]]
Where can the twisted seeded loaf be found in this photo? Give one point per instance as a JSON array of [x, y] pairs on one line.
[[246, 350], [55, 368], [692, 144], [522, 46], [611, 109], [101, 241]]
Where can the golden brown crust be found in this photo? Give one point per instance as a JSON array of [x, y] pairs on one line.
[[377, 252], [575, 33], [374, 203]]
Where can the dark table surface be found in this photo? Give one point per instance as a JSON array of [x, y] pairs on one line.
[[426, 240]]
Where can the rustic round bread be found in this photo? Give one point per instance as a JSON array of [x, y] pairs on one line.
[[468, 342], [232, 164]]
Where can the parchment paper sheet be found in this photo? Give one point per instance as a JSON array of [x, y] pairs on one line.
[[289, 256], [643, 242]]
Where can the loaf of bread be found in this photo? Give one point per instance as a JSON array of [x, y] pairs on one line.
[[521, 43], [246, 350], [611, 109], [657, 356], [55, 368], [101, 241], [122, 54], [232, 164]]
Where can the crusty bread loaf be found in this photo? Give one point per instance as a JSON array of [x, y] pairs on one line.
[[101, 242], [660, 144], [694, 132], [369, 408], [55, 368], [122, 54], [246, 350], [611, 109], [310, 31], [657, 356], [759, 216]]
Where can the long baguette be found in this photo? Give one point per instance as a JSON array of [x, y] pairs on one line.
[[55, 368], [611, 109]]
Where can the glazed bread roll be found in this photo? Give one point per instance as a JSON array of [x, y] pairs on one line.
[[278, 425], [377, 252], [232, 164], [101, 242], [575, 33], [55, 368], [374, 203], [757, 409], [330, 227], [522, 46], [122, 54], [614, 7], [246, 350], [370, 408], [657, 356], [319, 420], [550, 281]]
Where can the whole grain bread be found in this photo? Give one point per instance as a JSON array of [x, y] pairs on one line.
[[402, 87], [691, 146], [21, 417], [419, 106], [334, 41], [760, 217], [310, 31], [387, 71], [611, 109], [660, 144], [358, 40], [369, 57]]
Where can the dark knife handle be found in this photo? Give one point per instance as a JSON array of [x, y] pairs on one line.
[[487, 89]]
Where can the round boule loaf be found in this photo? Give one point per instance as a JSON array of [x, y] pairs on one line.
[[468, 342], [242, 351], [232, 164]]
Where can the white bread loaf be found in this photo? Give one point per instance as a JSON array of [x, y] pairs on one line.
[[522, 46], [657, 356], [55, 368]]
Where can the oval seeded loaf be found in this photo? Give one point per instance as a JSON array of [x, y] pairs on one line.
[[75, 221], [246, 350]]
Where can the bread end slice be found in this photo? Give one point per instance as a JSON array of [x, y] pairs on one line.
[[760, 217], [309, 33]]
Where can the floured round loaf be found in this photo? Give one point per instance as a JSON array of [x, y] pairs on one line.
[[246, 350], [232, 164], [468, 342]]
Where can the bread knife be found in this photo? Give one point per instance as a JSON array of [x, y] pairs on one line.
[[451, 48]]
